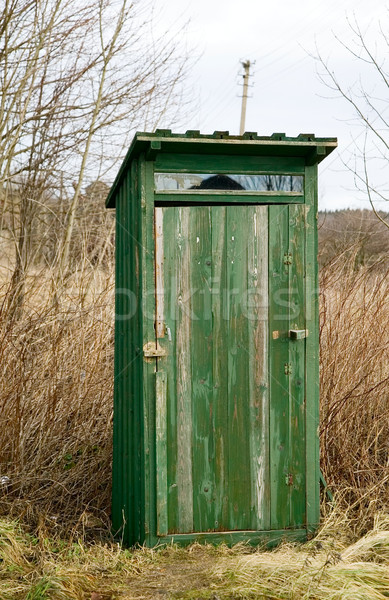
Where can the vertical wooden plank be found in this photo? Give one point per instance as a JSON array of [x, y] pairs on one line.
[[257, 315], [159, 278], [161, 452], [219, 366], [170, 244], [279, 364], [146, 183], [297, 361], [312, 351], [117, 465], [124, 486], [183, 369], [161, 382], [137, 359], [127, 356], [238, 349], [201, 344]]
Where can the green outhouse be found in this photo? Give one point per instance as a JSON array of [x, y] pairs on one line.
[[216, 395]]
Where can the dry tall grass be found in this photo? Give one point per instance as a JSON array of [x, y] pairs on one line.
[[56, 404], [331, 567], [354, 383], [56, 365]]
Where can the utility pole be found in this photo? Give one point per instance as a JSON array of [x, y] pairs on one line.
[[246, 66]]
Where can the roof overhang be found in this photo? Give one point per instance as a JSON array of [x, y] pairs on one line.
[[305, 145]]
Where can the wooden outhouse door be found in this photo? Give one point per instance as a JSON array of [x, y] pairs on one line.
[[230, 381]]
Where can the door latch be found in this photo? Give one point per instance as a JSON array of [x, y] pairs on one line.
[[298, 334]]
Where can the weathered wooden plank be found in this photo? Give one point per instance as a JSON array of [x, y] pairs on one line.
[[136, 375], [127, 353], [183, 372], [269, 538], [219, 366], [159, 278], [161, 452], [312, 352], [190, 198], [297, 361], [117, 465], [258, 381], [229, 164], [201, 343], [245, 196], [170, 242], [146, 177], [279, 365], [238, 346]]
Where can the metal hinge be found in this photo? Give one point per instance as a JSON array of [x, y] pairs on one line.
[[287, 258], [288, 369]]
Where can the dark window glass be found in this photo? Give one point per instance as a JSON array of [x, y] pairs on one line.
[[251, 183]]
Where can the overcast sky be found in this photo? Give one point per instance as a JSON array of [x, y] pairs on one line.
[[286, 93]]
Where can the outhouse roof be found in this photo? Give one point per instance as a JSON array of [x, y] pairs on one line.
[[306, 145]]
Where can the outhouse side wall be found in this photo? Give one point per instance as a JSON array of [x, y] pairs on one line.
[[312, 350], [127, 496]]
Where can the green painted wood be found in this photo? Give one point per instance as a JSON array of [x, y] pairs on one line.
[[135, 358], [127, 412], [206, 198], [256, 307], [183, 371], [237, 233], [117, 475], [161, 452], [218, 335], [312, 353], [228, 421], [227, 164], [287, 375], [200, 348], [219, 366], [169, 364], [297, 483], [304, 146], [146, 178], [126, 485], [279, 359], [267, 539]]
